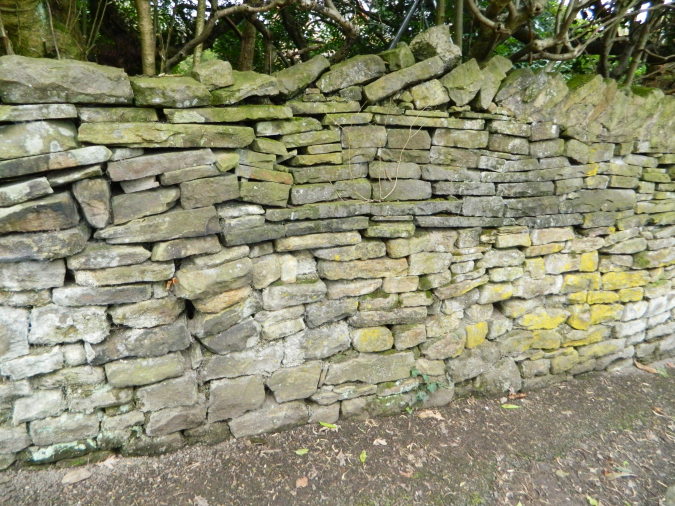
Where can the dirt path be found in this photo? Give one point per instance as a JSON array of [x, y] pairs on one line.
[[610, 440]]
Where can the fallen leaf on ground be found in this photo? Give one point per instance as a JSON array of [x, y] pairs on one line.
[[645, 368], [302, 482], [75, 476], [380, 442], [328, 425], [614, 476], [406, 474], [430, 413], [518, 395], [200, 501], [363, 457], [561, 474], [302, 451], [510, 406]]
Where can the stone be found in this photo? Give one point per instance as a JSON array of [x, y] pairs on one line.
[[372, 339], [150, 165], [21, 192], [356, 70], [31, 81], [587, 201], [16, 113], [52, 324], [141, 342], [169, 91], [131, 206], [293, 383], [371, 368], [148, 313], [13, 439], [328, 311], [137, 185], [213, 73], [374, 268], [55, 212], [244, 363], [236, 338], [211, 190], [203, 324], [285, 295], [246, 84], [271, 417], [144, 371], [29, 275], [275, 176], [116, 114], [56, 161], [394, 317], [504, 376], [99, 256], [436, 41], [230, 398], [171, 393], [494, 71], [165, 135], [429, 94], [34, 138], [13, 333], [463, 82], [233, 114], [43, 245], [402, 189], [85, 296], [93, 195], [313, 241], [391, 83], [398, 57], [27, 366], [148, 271], [297, 77], [171, 225], [274, 194], [195, 282], [171, 420], [64, 428]]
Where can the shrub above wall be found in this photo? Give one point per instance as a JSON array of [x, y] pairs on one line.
[[185, 259]]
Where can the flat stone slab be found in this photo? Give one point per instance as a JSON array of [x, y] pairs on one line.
[[246, 84], [43, 80], [43, 245], [152, 165], [35, 138], [163, 227], [169, 91], [11, 113], [54, 161], [228, 114], [165, 135], [54, 212]]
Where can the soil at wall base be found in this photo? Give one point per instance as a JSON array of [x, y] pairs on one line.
[[608, 441]]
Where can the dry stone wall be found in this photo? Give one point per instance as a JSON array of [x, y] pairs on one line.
[[190, 259]]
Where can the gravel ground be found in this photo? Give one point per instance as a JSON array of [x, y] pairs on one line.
[[605, 440]]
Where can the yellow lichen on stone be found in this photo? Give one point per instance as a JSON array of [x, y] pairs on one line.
[[629, 279], [580, 317], [545, 339], [605, 312], [579, 282], [577, 297], [589, 261], [593, 336], [544, 319], [592, 169], [476, 334], [602, 297], [631, 294], [535, 267]]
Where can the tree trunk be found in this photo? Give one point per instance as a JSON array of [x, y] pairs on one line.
[[147, 34], [439, 17], [247, 50], [459, 22], [199, 27], [26, 26]]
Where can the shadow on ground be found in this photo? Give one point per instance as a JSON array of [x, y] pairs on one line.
[[609, 439]]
